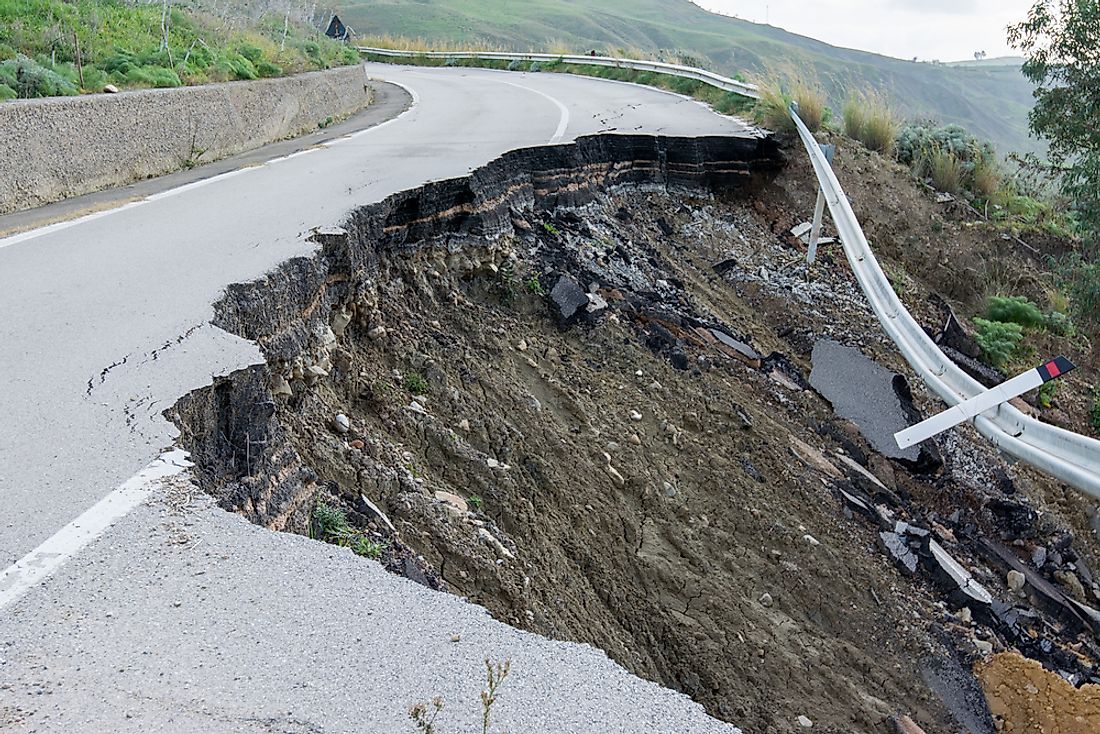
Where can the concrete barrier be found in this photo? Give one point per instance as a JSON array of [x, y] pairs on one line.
[[52, 149]]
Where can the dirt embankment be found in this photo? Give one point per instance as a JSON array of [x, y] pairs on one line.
[[573, 388]]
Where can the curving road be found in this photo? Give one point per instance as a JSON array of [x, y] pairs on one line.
[[105, 324]]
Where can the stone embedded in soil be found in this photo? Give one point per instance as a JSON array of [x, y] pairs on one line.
[[1016, 581], [341, 424], [453, 500]]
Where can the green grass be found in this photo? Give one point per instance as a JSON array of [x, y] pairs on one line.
[[87, 44], [416, 384], [991, 101], [331, 525]]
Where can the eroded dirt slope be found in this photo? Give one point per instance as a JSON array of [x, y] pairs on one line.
[[582, 400]]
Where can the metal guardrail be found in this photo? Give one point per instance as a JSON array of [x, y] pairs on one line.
[[686, 72], [1069, 456]]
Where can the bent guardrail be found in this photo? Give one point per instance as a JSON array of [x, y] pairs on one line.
[[687, 72], [1069, 456]]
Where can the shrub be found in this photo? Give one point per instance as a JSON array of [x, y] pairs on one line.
[[1015, 310], [153, 76], [7, 92], [997, 340], [268, 69], [973, 162], [250, 52], [27, 78]]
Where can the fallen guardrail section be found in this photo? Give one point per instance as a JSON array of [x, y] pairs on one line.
[[1069, 456]]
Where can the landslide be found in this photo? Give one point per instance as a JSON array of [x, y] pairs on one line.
[[573, 388]]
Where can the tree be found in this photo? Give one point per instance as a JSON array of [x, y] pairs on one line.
[[1061, 39]]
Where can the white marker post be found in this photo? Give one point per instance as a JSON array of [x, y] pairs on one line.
[[979, 404]]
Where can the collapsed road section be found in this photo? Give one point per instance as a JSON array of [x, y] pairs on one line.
[[574, 387]]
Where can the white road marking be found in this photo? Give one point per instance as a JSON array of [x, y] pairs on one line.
[[37, 565], [563, 122]]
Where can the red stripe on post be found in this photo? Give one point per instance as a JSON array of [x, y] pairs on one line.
[[1052, 368]]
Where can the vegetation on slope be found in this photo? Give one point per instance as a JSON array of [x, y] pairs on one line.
[[990, 100], [51, 47]]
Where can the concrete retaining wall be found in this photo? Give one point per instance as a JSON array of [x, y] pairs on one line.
[[51, 149]]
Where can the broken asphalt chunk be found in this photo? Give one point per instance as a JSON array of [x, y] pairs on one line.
[[899, 550], [568, 297]]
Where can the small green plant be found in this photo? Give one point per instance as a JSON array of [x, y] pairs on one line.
[[475, 501], [551, 229], [1046, 394], [1015, 310], [534, 286], [416, 384], [327, 122], [1094, 416], [998, 341]]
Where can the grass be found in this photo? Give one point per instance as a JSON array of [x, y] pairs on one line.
[[869, 119], [1094, 416], [945, 169], [83, 45], [331, 525], [534, 286]]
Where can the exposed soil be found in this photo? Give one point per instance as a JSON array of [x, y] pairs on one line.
[[585, 406]]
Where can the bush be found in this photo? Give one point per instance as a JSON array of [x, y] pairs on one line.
[[268, 69], [972, 163], [997, 340], [7, 92], [27, 78], [153, 76], [1015, 310]]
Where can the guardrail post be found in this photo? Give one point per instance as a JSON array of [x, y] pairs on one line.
[[819, 209], [815, 230]]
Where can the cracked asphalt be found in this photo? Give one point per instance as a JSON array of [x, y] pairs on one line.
[[185, 618]]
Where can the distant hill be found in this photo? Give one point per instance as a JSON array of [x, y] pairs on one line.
[[1016, 61], [991, 100]]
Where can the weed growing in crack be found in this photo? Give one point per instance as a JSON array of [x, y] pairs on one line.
[[507, 282], [475, 501], [424, 714], [551, 229], [416, 384]]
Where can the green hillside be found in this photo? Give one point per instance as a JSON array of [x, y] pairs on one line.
[[990, 100]]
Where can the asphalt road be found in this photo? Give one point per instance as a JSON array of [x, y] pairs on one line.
[[193, 620]]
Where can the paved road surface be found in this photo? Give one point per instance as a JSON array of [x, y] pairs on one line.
[[200, 621]]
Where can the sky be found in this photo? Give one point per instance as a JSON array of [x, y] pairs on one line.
[[944, 30]]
